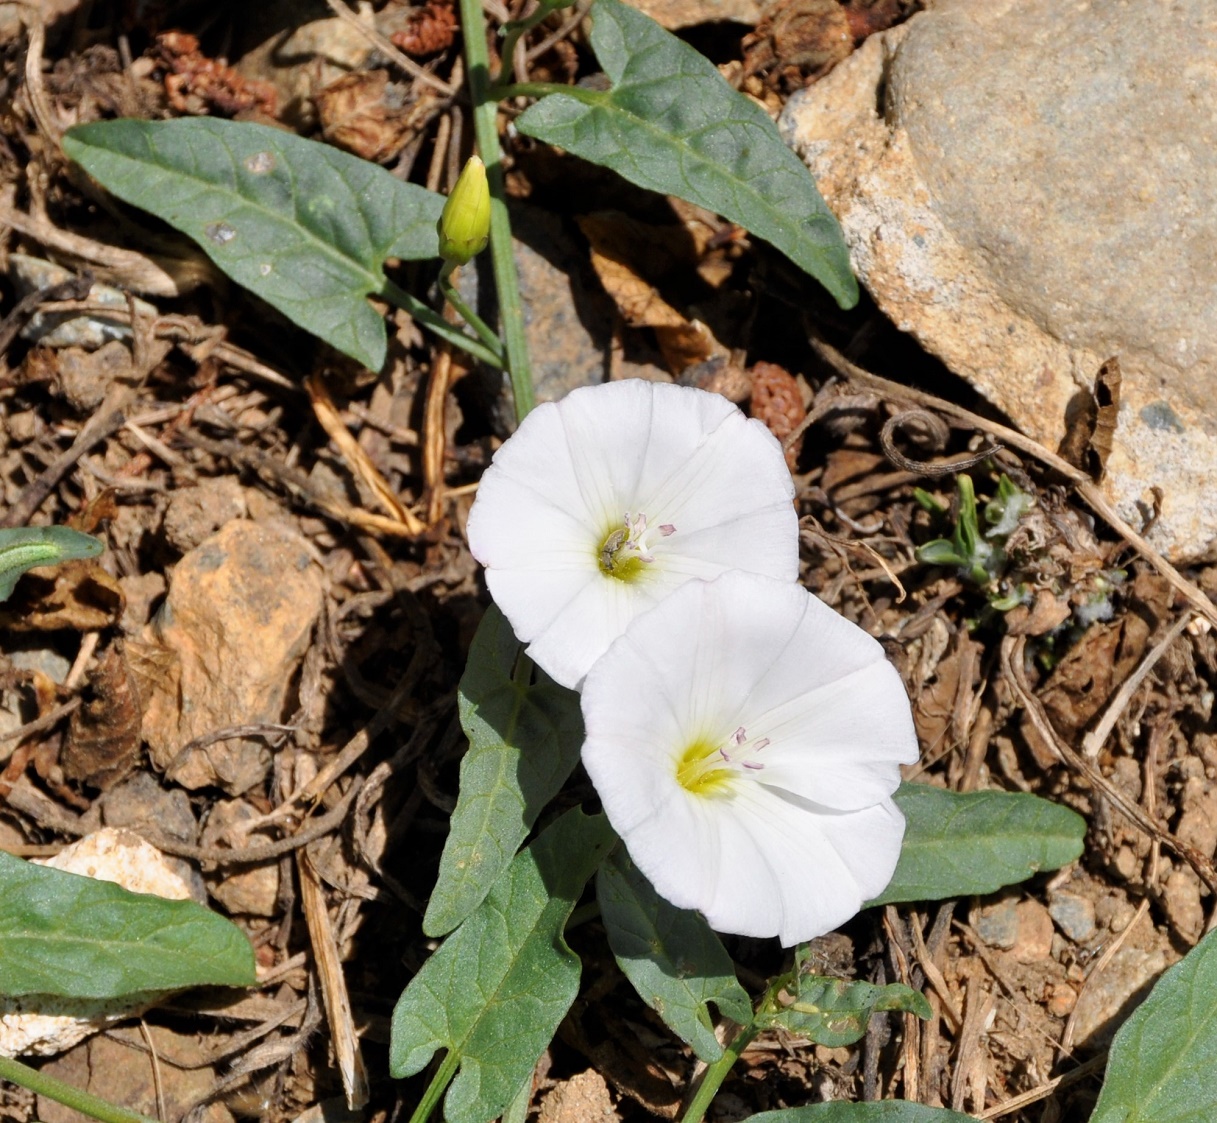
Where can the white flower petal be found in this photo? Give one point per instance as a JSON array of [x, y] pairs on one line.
[[755, 667], [712, 485]]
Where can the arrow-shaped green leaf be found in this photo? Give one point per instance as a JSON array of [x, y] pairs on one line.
[[496, 990], [64, 934], [671, 123], [523, 743], [675, 962], [304, 226], [957, 844]]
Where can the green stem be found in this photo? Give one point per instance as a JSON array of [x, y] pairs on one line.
[[544, 89], [17, 1073], [513, 32], [450, 333], [502, 252], [717, 1073], [439, 1084], [466, 313]]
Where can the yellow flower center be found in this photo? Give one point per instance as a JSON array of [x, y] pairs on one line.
[[712, 768], [624, 553]]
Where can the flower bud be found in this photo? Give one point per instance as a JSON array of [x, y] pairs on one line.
[[465, 224]]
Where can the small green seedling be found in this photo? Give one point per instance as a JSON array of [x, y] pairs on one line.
[[27, 547], [981, 558]]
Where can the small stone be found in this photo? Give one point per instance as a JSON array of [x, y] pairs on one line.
[[194, 513], [1126, 863], [1073, 914], [1035, 932], [86, 376], [242, 890], [1062, 1000], [1114, 912], [141, 801], [1111, 994], [1198, 823], [584, 1098], [1181, 900], [997, 923], [223, 649], [68, 329]]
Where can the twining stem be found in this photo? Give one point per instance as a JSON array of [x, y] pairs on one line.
[[466, 313], [514, 30], [716, 1073], [439, 1084], [489, 352], [17, 1073], [502, 252]]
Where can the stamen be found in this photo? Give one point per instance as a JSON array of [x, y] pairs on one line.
[[625, 549], [705, 769]]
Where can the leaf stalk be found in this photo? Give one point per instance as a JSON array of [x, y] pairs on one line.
[[76, 1098], [464, 311], [438, 1086]]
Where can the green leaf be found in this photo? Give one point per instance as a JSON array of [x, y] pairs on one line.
[[672, 124], [1162, 1067], [524, 742], [887, 1111], [26, 547], [958, 844], [834, 1012], [496, 990], [674, 961], [304, 226], [64, 934]]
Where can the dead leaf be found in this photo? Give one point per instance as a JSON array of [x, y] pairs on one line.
[[1048, 612], [104, 735], [78, 594], [797, 40], [356, 114], [614, 247], [1085, 678], [1090, 421]]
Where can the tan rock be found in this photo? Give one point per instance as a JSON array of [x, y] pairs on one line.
[[242, 890], [1034, 943], [584, 1098], [1027, 214], [223, 649]]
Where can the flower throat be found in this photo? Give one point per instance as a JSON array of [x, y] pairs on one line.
[[624, 552]]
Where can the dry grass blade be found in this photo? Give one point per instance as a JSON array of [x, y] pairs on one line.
[[1012, 661], [357, 459], [333, 985], [1094, 1066], [1092, 743]]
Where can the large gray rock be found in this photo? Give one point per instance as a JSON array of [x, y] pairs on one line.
[[1037, 192]]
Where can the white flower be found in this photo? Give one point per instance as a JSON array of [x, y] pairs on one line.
[[744, 740], [603, 503]]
